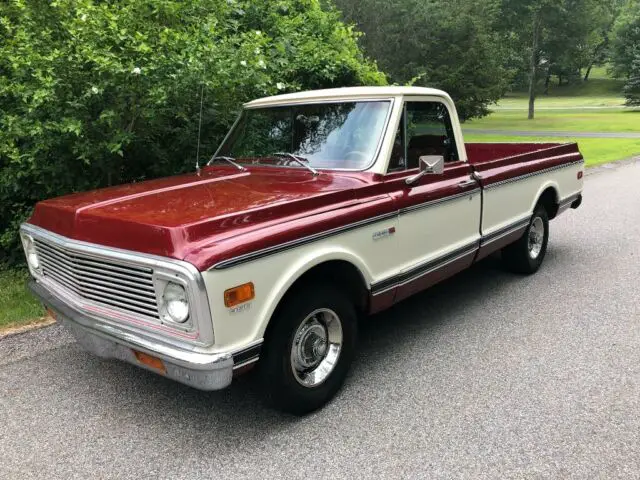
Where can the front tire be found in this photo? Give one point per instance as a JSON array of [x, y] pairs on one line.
[[308, 349], [527, 253]]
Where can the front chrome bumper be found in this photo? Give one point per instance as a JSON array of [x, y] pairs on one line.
[[204, 371]]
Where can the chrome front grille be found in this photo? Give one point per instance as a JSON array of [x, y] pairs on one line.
[[101, 281]]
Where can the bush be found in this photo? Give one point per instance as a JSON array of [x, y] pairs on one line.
[[99, 93]]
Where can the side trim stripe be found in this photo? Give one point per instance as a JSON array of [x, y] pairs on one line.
[[433, 265], [532, 174], [439, 201], [422, 269], [232, 262], [503, 232]]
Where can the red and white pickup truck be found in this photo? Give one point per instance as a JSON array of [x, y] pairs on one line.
[[318, 208]]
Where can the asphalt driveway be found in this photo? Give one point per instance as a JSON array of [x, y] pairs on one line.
[[489, 375]]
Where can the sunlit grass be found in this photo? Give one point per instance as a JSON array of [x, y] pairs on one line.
[[17, 305], [616, 120], [595, 150]]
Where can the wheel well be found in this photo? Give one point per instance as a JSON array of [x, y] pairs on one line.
[[549, 202], [343, 275]]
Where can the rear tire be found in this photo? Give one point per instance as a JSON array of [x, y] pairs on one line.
[[527, 253], [308, 349]]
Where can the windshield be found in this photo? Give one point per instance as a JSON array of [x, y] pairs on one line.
[[325, 135]]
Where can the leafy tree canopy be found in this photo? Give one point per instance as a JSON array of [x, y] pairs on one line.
[[626, 43], [95, 93], [449, 45]]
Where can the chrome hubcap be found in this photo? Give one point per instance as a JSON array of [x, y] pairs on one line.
[[536, 237], [316, 347]]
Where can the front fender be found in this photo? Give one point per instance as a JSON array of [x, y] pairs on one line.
[[272, 277]]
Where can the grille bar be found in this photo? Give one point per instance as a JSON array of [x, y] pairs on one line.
[[88, 287], [126, 287], [93, 265], [96, 279]]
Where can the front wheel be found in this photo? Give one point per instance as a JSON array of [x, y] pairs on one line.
[[308, 349], [527, 253]]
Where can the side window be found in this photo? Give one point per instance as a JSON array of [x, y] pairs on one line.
[[428, 131]]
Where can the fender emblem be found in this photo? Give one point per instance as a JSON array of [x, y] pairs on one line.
[[240, 308], [384, 233]]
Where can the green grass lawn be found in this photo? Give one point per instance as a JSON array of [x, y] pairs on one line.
[[595, 150], [521, 102], [17, 305], [616, 120], [568, 109], [599, 91]]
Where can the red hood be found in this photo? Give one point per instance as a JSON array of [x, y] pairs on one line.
[[177, 216]]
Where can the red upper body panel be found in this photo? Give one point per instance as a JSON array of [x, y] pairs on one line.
[[176, 216], [200, 217]]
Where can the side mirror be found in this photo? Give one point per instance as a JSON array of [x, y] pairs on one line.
[[429, 165]]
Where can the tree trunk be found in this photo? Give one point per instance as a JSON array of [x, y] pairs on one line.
[[547, 82], [534, 64], [586, 75]]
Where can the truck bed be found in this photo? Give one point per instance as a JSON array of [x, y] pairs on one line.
[[499, 154]]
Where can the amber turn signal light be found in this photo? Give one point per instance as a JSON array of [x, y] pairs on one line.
[[240, 294], [150, 361]]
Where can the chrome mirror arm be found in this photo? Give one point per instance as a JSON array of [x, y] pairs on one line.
[[429, 165]]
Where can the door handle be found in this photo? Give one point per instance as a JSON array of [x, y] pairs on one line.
[[467, 183]]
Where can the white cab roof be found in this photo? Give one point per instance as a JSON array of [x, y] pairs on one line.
[[349, 93]]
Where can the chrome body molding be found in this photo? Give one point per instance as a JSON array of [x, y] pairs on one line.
[[440, 201], [422, 269], [503, 232], [531, 174], [197, 331], [248, 257], [201, 369]]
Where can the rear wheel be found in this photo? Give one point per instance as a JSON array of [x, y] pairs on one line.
[[309, 349], [527, 253]]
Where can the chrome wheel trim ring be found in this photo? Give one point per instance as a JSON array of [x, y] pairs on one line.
[[316, 347], [536, 237]]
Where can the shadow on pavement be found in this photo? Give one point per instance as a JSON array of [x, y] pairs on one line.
[[133, 395]]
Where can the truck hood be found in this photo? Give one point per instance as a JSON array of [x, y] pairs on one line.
[[175, 216]]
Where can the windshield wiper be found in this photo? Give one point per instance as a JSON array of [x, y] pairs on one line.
[[228, 159], [301, 160]]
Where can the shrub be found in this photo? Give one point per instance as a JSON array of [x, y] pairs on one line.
[[97, 93]]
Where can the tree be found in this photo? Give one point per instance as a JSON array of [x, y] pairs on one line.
[[547, 35], [626, 40], [632, 87], [450, 45], [99, 93], [606, 14]]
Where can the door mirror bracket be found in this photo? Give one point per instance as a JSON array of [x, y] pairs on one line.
[[429, 165]]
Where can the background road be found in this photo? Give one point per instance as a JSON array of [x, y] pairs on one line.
[[488, 375]]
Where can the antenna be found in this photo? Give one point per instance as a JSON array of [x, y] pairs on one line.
[[200, 124]]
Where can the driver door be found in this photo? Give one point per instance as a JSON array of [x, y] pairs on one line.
[[439, 214]]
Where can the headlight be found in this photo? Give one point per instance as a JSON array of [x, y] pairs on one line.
[[175, 303], [30, 252]]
